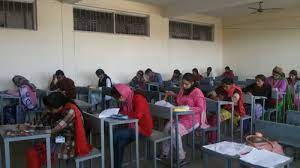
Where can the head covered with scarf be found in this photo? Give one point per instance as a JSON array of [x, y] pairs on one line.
[[19, 81]]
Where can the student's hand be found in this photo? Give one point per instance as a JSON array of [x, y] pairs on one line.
[[170, 93]]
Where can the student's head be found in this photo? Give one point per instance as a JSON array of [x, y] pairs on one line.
[[188, 81], [176, 73], [227, 69], [293, 74], [277, 73], [20, 80], [121, 92], [227, 83], [55, 101], [60, 75], [149, 72], [100, 73], [209, 69], [260, 80], [140, 74], [195, 71]]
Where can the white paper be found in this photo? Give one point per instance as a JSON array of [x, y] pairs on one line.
[[264, 158], [229, 148], [164, 104], [109, 112]]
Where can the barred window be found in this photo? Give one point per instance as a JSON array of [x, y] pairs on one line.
[[88, 20], [135, 25], [110, 22], [190, 31], [180, 30], [18, 14], [204, 33]]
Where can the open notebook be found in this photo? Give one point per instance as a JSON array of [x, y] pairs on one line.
[[109, 112]]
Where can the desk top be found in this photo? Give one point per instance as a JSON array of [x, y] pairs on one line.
[[117, 122], [247, 154], [28, 134], [8, 96]]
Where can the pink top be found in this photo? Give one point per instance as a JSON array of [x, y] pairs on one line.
[[197, 103]]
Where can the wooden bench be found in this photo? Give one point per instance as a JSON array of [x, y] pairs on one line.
[[285, 134]]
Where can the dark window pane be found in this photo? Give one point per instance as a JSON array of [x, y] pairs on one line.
[[180, 30], [133, 25], [16, 14], [204, 33], [95, 21]]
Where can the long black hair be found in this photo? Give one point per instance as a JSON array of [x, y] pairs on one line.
[[56, 100], [190, 78]]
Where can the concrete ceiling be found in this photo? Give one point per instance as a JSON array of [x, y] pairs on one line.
[[221, 8]]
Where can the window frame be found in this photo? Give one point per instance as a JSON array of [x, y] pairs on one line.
[[192, 24], [114, 13], [34, 18]]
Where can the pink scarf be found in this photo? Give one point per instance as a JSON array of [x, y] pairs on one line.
[[127, 93]]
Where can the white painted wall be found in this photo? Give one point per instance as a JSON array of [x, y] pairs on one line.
[[37, 54], [255, 44]]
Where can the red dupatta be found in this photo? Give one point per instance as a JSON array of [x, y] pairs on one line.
[[81, 145], [230, 92]]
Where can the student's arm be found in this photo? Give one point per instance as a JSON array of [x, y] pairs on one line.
[[70, 90], [64, 122], [248, 88], [199, 104], [54, 85], [283, 85], [108, 83], [139, 105], [160, 80]]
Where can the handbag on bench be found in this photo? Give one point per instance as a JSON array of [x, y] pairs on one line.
[[259, 142]]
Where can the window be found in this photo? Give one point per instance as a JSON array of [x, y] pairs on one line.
[[87, 20], [110, 22], [135, 25], [189, 31], [18, 14]]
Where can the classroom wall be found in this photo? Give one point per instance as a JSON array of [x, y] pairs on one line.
[[254, 44], [37, 54]]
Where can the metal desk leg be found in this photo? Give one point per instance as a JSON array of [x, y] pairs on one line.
[[205, 159], [111, 144], [193, 138], [176, 141], [102, 145], [137, 144], [228, 163], [7, 154], [2, 114], [48, 149], [232, 118], [219, 122]]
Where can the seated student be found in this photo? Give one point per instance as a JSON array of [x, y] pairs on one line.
[[259, 88], [154, 77], [189, 95], [228, 73], [278, 82], [297, 95], [65, 119], [196, 74], [104, 81], [134, 105], [290, 94], [209, 73], [63, 84], [27, 92], [230, 92], [138, 81], [176, 78]]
